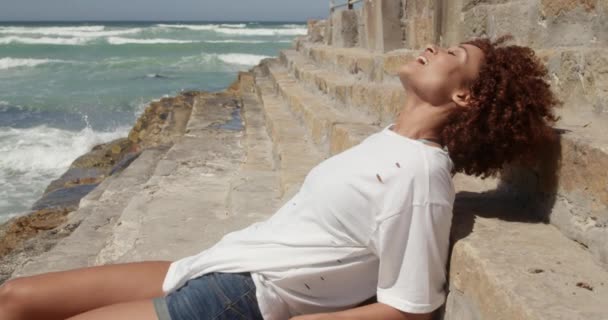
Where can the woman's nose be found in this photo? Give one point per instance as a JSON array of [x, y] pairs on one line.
[[431, 47]]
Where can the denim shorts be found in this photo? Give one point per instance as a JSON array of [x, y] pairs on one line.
[[210, 297]]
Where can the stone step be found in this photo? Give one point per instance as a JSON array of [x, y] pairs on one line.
[[95, 219], [218, 178], [581, 207], [294, 153], [361, 63], [570, 183], [317, 113], [378, 100], [516, 269], [358, 62], [255, 188]]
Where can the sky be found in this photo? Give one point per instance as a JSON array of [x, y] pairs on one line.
[[202, 10]]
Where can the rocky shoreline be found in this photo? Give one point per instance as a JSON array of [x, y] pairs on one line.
[[51, 219]]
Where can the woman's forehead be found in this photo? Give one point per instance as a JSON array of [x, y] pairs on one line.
[[475, 58]]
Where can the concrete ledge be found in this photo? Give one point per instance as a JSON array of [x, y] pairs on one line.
[[346, 135], [364, 65], [96, 220], [518, 270], [294, 154], [380, 102], [355, 61], [317, 114], [344, 28]]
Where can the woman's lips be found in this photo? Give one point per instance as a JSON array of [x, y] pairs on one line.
[[422, 60]]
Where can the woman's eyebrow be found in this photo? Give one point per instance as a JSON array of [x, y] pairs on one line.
[[466, 52]]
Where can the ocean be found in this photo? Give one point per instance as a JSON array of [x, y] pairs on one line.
[[65, 87]]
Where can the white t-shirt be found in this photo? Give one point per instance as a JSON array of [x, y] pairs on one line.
[[373, 219]]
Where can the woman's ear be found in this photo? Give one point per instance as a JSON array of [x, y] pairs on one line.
[[461, 98]]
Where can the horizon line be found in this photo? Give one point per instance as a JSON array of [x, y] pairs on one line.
[[136, 20]]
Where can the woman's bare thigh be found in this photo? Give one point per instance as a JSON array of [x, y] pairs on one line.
[[60, 295], [138, 310]]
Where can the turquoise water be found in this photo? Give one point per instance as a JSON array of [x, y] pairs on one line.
[[65, 87]]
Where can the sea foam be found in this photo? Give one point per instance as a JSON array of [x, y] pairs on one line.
[[241, 30], [263, 32], [120, 40], [247, 41], [241, 58], [196, 27], [33, 157], [44, 40], [84, 31], [7, 63]]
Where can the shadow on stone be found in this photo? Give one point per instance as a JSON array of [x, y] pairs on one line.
[[524, 194]]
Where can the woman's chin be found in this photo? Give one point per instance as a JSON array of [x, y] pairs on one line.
[[407, 72]]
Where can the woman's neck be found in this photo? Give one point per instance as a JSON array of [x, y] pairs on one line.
[[420, 120]]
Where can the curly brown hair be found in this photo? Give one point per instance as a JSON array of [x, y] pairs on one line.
[[510, 113]]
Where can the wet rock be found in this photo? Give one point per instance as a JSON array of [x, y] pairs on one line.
[[104, 156], [124, 162], [68, 197], [75, 176], [15, 232]]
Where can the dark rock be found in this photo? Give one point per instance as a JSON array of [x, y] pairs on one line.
[[124, 162], [68, 197], [76, 176]]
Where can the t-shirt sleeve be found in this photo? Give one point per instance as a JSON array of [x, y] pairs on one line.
[[412, 247]]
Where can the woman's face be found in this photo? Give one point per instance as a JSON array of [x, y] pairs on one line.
[[438, 73]]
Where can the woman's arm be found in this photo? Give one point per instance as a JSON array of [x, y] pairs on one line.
[[371, 311]]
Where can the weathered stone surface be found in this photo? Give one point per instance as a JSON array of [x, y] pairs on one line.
[[521, 19], [317, 114], [163, 121], [460, 307], [557, 7], [468, 4], [316, 30], [355, 61], [421, 23], [344, 29], [294, 154], [537, 24], [579, 77], [374, 101], [382, 23], [452, 21], [519, 270], [475, 22], [346, 135]]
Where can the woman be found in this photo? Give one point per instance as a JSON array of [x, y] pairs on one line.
[[373, 220]]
